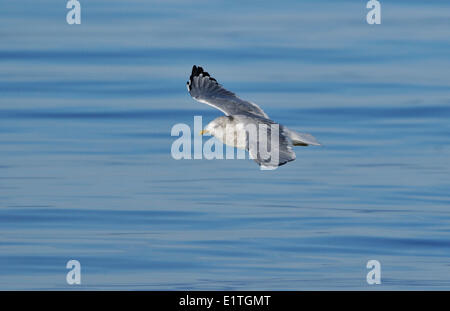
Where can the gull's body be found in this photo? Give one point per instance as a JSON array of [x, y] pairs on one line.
[[240, 115]]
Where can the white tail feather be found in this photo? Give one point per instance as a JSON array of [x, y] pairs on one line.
[[301, 139]]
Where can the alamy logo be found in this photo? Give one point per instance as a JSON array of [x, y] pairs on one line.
[[260, 140], [74, 15], [374, 15], [74, 275], [374, 275]]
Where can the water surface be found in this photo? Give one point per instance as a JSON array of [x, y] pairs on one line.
[[86, 171]]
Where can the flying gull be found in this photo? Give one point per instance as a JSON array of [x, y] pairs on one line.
[[240, 115]]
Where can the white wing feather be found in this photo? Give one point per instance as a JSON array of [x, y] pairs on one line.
[[207, 90]]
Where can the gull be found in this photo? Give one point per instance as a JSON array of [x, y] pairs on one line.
[[233, 128]]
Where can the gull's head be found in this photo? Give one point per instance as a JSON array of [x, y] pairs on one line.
[[215, 126]]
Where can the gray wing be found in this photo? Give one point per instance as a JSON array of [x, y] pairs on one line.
[[207, 90], [274, 153]]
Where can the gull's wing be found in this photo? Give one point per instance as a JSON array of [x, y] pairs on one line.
[[207, 90], [282, 148]]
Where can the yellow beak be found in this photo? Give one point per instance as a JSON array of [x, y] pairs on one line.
[[203, 132]]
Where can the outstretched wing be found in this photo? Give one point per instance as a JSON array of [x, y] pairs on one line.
[[207, 90], [268, 152]]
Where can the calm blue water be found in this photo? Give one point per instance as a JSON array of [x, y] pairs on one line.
[[85, 166]]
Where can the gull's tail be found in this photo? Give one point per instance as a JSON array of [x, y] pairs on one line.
[[301, 139]]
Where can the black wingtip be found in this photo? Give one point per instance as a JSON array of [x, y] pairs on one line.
[[197, 71], [280, 163]]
